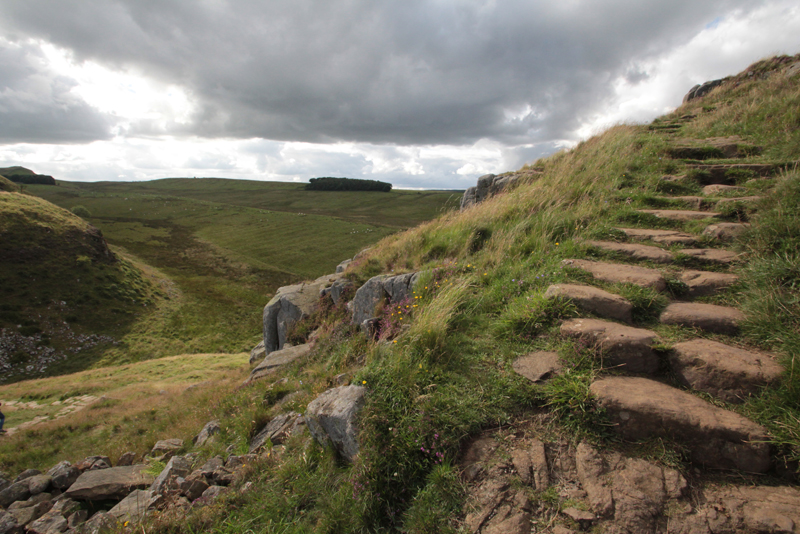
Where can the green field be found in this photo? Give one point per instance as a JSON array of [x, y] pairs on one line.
[[222, 248]]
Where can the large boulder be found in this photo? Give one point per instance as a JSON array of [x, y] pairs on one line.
[[178, 466], [333, 418], [112, 483], [19, 491], [380, 290], [289, 305]]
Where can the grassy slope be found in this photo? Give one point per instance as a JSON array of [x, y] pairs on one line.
[[227, 250], [448, 375], [52, 269], [139, 404]]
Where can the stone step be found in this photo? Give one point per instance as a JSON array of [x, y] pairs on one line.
[[666, 237], [709, 317], [636, 252], [681, 215], [729, 373], [718, 256], [620, 273], [722, 202], [715, 189], [641, 408], [619, 345], [720, 174], [693, 201], [712, 148], [705, 283], [726, 231], [593, 300]]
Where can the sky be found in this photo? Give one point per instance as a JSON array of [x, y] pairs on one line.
[[419, 93]]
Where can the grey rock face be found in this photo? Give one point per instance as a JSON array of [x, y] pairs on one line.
[[208, 431], [380, 290], [178, 466], [277, 430], [112, 483], [333, 418], [166, 448], [289, 305], [133, 507], [64, 474]]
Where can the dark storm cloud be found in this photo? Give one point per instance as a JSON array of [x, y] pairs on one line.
[[36, 105], [405, 71]]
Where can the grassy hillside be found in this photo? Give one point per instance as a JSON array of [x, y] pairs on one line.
[[444, 374], [65, 295]]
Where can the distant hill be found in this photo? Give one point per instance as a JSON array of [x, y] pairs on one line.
[[21, 175], [64, 292]]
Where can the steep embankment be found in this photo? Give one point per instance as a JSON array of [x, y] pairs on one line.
[[65, 294]]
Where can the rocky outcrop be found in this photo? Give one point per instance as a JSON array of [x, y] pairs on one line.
[[207, 433], [378, 291], [290, 305], [700, 90], [258, 353], [492, 184], [333, 418]]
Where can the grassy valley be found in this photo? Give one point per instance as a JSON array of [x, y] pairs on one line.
[[218, 249]]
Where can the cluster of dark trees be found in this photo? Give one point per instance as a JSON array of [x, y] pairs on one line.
[[42, 179], [347, 184]]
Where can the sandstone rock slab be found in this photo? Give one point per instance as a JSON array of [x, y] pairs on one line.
[[725, 232], [666, 237], [593, 300], [620, 273], [715, 189], [63, 475], [708, 317], [619, 345], [711, 255], [333, 418], [704, 283], [634, 251], [258, 353], [631, 491], [166, 448], [641, 408], [538, 366], [681, 215], [112, 483], [729, 373], [277, 359]]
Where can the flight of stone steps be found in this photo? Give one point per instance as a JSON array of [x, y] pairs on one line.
[[633, 388]]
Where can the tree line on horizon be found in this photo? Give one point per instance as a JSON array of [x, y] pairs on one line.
[[347, 184]]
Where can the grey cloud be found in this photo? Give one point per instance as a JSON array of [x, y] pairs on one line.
[[403, 72], [36, 105]]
